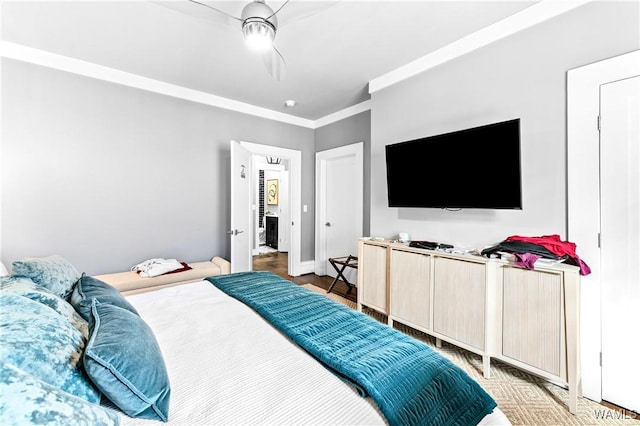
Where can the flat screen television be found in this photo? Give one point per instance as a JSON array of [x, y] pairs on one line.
[[473, 168]]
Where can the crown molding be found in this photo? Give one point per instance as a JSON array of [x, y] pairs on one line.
[[342, 114], [539, 12], [88, 69]]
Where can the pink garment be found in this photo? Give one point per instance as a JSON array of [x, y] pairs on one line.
[[526, 260]]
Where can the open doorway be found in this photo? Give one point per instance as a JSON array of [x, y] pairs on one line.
[[288, 188], [271, 205]]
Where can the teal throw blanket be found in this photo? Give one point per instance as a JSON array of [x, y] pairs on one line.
[[410, 382]]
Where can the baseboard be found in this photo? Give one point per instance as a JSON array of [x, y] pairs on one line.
[[307, 267]]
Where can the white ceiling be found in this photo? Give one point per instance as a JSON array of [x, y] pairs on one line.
[[332, 48]]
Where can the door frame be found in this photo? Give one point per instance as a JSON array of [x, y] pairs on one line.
[[283, 216], [583, 202], [357, 188], [257, 166], [295, 194]]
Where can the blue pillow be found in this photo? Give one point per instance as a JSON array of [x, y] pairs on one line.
[[89, 288], [53, 272], [28, 400], [43, 343], [124, 361], [27, 288]]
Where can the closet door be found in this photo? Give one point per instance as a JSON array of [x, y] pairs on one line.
[[620, 241]]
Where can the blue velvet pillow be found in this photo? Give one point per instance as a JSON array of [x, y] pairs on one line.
[[124, 361], [53, 272], [40, 341], [25, 399], [89, 288], [27, 288]]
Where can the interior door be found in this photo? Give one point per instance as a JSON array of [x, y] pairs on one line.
[[284, 221], [341, 221], [240, 231], [620, 240], [340, 206]]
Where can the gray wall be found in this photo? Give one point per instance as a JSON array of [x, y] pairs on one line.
[[522, 76], [106, 175], [354, 129]]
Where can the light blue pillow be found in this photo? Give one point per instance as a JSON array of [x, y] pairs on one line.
[[53, 272], [25, 399], [9, 281], [27, 288], [43, 343], [124, 361], [89, 288]]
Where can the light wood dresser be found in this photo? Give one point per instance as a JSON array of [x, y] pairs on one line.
[[527, 318]]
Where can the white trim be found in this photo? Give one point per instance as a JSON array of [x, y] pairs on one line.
[[1, 157], [295, 193], [342, 114], [88, 69], [307, 267], [583, 220], [1, 154], [65, 63], [539, 12], [356, 189]]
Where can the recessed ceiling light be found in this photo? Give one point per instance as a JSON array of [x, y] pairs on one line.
[[290, 103]]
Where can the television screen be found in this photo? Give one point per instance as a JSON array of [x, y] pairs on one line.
[[471, 168]]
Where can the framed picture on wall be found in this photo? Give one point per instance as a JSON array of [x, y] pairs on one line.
[[272, 191]]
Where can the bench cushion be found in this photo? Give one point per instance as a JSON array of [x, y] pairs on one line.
[[131, 283]]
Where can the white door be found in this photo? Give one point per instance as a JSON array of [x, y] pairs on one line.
[[283, 213], [240, 231], [339, 206], [620, 241]]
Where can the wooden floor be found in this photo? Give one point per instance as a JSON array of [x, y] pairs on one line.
[[277, 263]]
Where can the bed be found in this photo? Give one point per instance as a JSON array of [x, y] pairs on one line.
[[224, 364]]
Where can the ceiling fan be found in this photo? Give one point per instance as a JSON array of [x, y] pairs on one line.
[[259, 25]]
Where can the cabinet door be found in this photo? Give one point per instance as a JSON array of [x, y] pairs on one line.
[[373, 267], [531, 318], [409, 292], [459, 293], [271, 231]]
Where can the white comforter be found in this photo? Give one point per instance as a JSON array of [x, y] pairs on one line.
[[228, 366]]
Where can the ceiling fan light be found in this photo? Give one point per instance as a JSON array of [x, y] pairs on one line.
[[258, 33]]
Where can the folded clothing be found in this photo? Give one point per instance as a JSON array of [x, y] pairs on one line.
[[157, 266]]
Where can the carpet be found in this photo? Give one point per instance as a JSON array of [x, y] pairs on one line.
[[525, 399]]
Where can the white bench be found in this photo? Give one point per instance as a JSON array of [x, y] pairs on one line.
[[131, 283]]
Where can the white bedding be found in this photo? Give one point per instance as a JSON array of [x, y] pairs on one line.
[[228, 366]]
